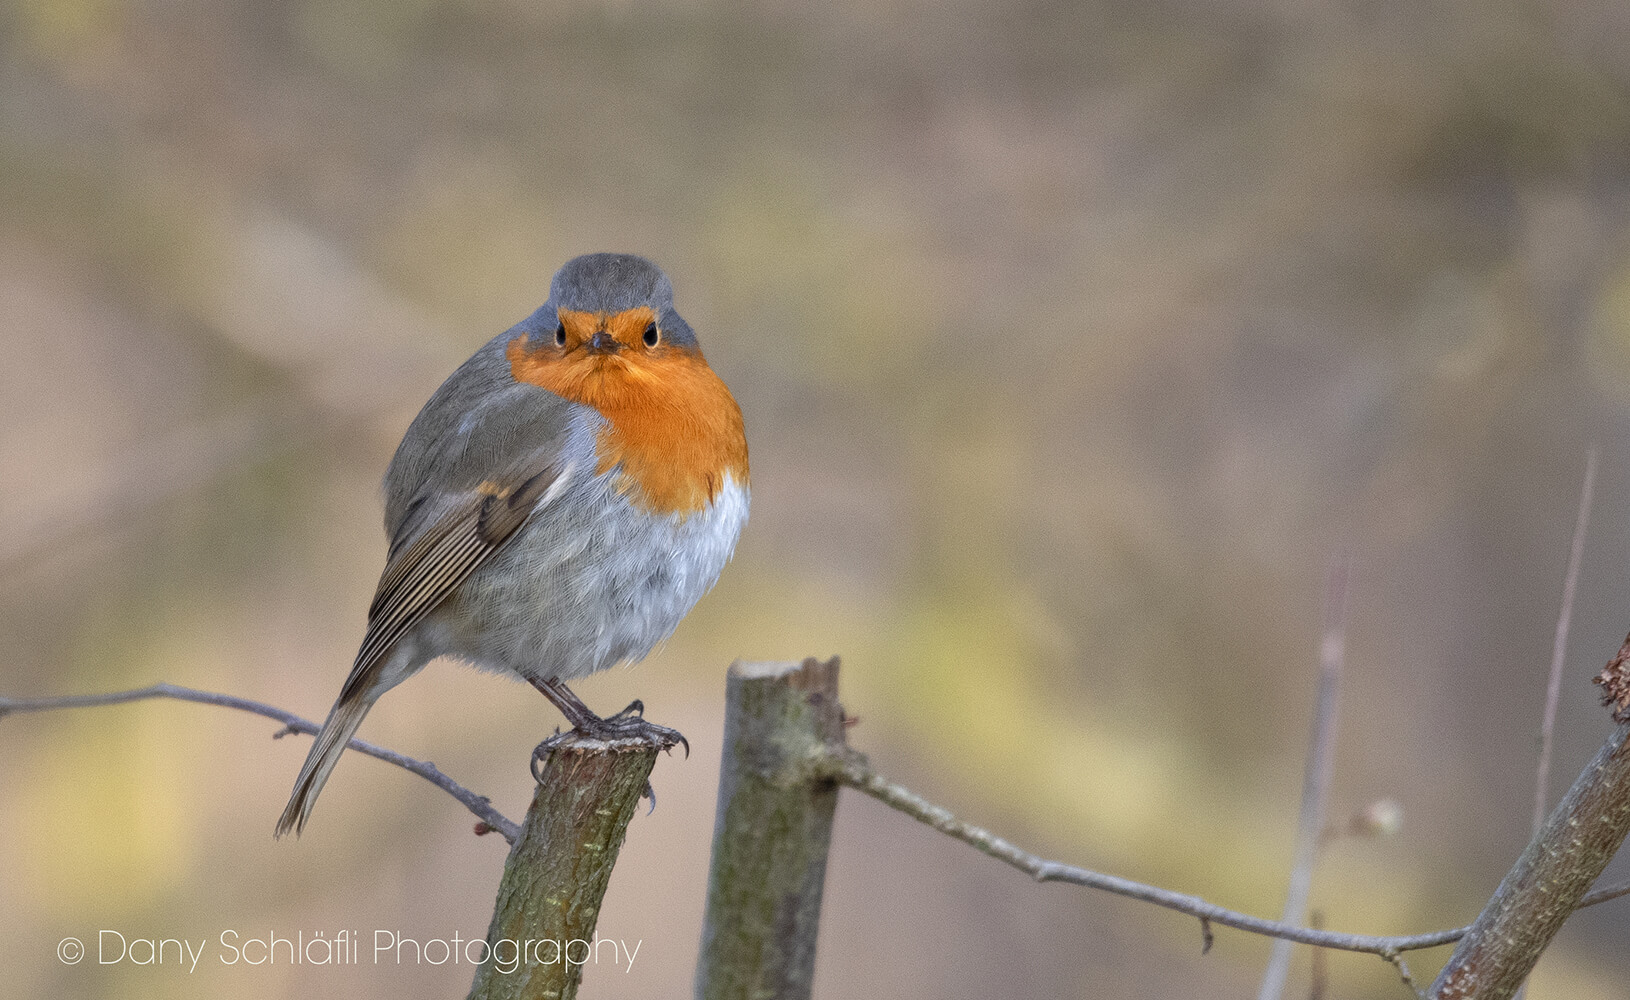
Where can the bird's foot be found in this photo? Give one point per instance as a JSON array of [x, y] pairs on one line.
[[628, 724]]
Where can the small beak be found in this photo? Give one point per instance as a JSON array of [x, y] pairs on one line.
[[603, 343]]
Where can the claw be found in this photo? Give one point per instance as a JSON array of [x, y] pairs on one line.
[[635, 710], [649, 793], [541, 752]]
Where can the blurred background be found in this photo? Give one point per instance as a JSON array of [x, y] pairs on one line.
[[1074, 341]]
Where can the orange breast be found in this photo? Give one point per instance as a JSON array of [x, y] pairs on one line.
[[672, 425]]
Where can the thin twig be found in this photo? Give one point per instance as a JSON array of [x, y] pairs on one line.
[[1604, 894], [1319, 976], [1559, 649], [1321, 760], [1559, 646], [478, 804], [852, 770], [1404, 974]]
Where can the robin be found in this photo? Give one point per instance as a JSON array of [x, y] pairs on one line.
[[559, 504]]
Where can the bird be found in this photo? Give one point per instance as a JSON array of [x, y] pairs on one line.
[[560, 503]]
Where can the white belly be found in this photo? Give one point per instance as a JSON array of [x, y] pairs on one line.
[[588, 582]]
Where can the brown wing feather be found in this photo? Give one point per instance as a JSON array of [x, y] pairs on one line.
[[444, 554]]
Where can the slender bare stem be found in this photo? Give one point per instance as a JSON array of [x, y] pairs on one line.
[[1559, 649], [853, 771], [478, 804], [1405, 975], [1559, 646], [1321, 759], [1605, 893], [1319, 977]]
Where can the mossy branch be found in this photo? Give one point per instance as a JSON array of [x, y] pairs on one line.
[[771, 831], [555, 879]]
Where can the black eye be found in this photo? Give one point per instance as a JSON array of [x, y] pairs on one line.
[[652, 335], [560, 335]]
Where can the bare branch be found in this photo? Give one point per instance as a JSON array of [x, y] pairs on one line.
[[1321, 760], [859, 776], [852, 770], [1404, 974], [1559, 646], [1319, 975], [1559, 649], [1604, 894], [478, 804], [1544, 887]]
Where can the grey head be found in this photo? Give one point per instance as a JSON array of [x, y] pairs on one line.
[[610, 283]]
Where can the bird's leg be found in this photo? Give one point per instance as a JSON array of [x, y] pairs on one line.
[[630, 722], [570, 705]]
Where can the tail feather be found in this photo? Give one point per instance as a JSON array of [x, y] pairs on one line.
[[343, 720]]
